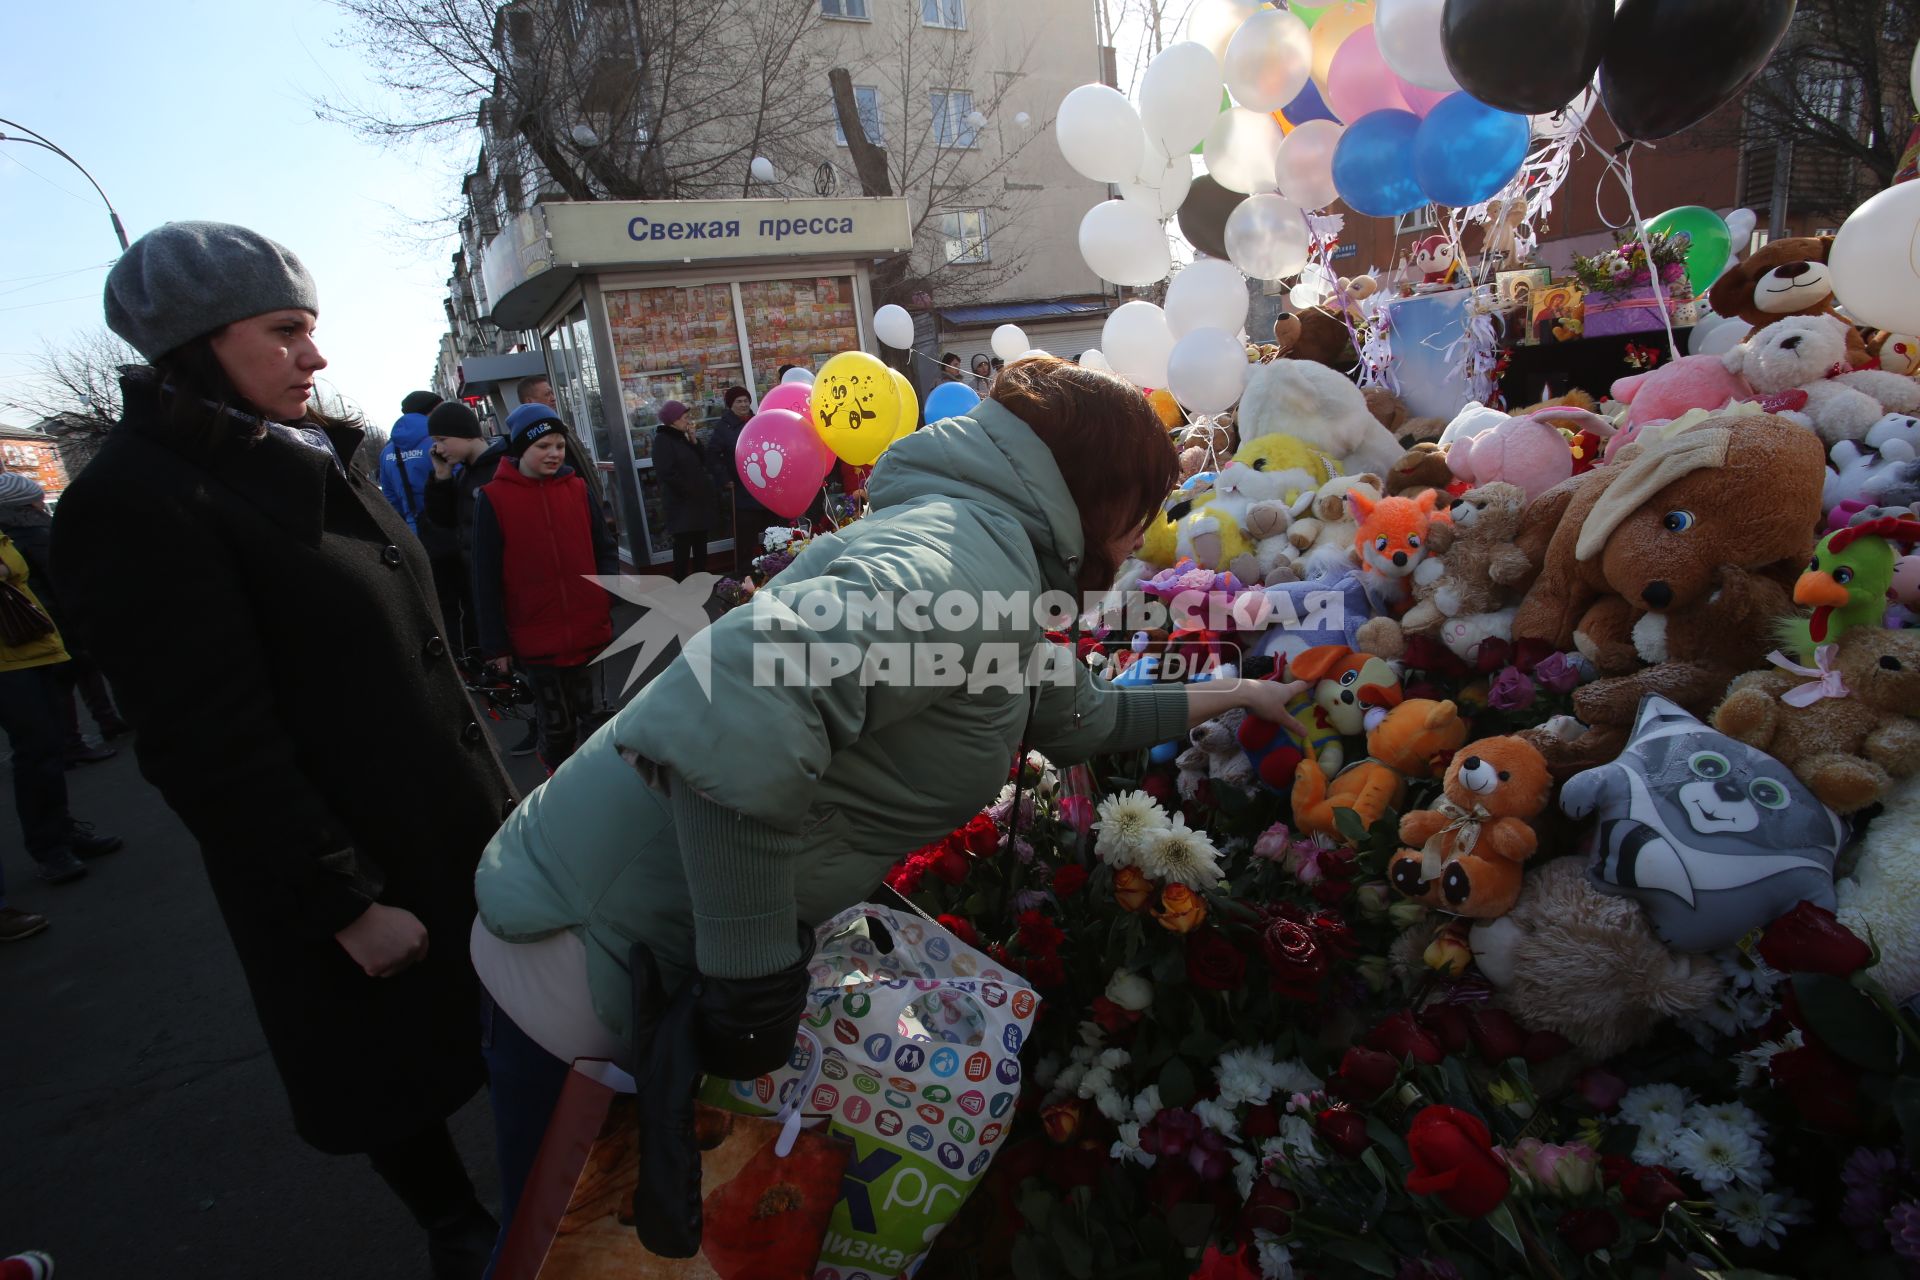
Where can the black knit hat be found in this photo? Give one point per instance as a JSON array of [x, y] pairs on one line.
[[731, 394], [455, 419], [419, 402]]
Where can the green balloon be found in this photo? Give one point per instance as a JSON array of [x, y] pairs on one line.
[[1309, 16], [1712, 242]]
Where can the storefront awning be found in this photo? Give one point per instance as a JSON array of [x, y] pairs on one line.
[[1015, 312], [482, 374]]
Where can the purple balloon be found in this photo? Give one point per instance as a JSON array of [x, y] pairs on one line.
[[782, 460], [1308, 106], [1421, 101]]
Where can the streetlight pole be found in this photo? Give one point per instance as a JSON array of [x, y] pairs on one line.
[[33, 139]]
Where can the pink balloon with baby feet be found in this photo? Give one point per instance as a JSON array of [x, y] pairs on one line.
[[782, 460], [797, 396]]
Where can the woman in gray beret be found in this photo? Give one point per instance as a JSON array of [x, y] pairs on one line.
[[257, 603]]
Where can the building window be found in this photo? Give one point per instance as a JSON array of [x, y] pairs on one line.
[[866, 101], [963, 236], [944, 13], [952, 126], [844, 9], [1421, 219]]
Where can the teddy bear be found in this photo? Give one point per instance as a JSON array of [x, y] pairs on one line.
[[1391, 412], [1690, 382], [1859, 471], [1667, 568], [1424, 466], [1464, 635], [1844, 727], [1322, 538], [1570, 959], [1465, 852], [1785, 278], [1317, 335], [1472, 569], [1530, 452], [1213, 752], [1808, 354], [1896, 352], [1876, 901], [1414, 740], [1321, 409]]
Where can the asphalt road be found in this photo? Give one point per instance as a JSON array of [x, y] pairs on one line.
[[143, 1132]]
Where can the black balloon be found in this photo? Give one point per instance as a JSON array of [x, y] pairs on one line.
[[1524, 56], [1672, 63], [1203, 216]]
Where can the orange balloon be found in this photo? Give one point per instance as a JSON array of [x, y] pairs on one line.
[[1339, 21], [1168, 408], [1286, 125]]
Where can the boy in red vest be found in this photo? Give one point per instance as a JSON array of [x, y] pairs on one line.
[[536, 537]]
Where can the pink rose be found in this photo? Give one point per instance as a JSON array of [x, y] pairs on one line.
[[1557, 673], [1077, 812], [1510, 690]]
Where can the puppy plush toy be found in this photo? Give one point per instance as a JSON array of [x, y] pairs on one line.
[[1787, 277], [1465, 853], [1415, 740]]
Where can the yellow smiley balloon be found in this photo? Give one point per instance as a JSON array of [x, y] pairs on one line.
[[856, 407], [909, 405]]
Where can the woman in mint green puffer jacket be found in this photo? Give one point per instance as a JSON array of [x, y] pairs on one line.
[[717, 829]]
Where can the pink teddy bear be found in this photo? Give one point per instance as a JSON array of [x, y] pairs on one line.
[[1530, 453], [1691, 382]]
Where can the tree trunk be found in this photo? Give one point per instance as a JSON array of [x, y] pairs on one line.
[[869, 161]]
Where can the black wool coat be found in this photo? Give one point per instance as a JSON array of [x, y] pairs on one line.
[[686, 472], [272, 634]]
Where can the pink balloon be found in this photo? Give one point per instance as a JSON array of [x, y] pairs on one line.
[[1421, 100], [782, 460], [797, 396], [1359, 81]]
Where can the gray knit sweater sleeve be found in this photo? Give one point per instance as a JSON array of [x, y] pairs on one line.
[[740, 876]]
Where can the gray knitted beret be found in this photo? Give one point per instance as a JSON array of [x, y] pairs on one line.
[[184, 279]]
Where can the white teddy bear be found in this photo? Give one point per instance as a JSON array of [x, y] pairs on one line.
[[1323, 538], [1809, 353], [1321, 408], [1859, 472]]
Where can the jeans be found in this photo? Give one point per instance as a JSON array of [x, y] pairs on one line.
[[689, 553], [81, 677], [30, 714], [523, 1083], [563, 697]]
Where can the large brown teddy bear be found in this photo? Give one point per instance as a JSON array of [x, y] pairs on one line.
[[1846, 746], [1315, 334], [1785, 278], [1668, 568]]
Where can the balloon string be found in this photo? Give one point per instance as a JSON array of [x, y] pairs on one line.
[[1620, 163]]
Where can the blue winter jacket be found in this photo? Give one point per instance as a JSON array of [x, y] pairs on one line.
[[405, 467]]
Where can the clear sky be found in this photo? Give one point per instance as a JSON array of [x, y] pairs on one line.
[[204, 109]]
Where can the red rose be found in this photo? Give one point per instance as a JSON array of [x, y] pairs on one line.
[[1112, 1018], [1364, 1075], [1039, 936], [1400, 1037], [1496, 1035], [952, 866], [1295, 964], [1453, 1161], [1270, 1208], [1215, 1265], [1160, 787], [1069, 880], [1213, 963], [1647, 1189], [1446, 1023], [1062, 1120], [980, 836], [1343, 1129], [1261, 1122], [1824, 1089], [1331, 892], [1588, 1230], [1808, 939], [1335, 935], [961, 929]]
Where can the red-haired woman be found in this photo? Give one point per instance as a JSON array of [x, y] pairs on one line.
[[765, 807]]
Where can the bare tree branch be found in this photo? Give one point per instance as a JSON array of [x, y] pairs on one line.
[[74, 392]]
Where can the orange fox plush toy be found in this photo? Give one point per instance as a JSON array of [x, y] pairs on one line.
[[1466, 851], [1391, 545], [1414, 741]]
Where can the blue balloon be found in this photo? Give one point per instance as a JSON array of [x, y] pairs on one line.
[[1309, 105], [1373, 165], [1466, 151], [950, 400]]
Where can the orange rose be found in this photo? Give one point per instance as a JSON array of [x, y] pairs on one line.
[[1062, 1120], [1181, 909], [1131, 891]]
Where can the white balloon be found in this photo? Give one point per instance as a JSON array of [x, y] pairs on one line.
[[1267, 237], [762, 169], [1304, 166], [1408, 33], [1092, 359], [798, 374], [1269, 60], [1010, 342], [1740, 224], [1032, 351], [1724, 337], [1162, 184], [1099, 133], [1022, 119], [1565, 122], [1124, 244], [893, 326], [1180, 96], [976, 119], [1304, 295], [1209, 294], [1207, 370], [1241, 148], [1913, 76], [1137, 343], [1214, 23], [1875, 261]]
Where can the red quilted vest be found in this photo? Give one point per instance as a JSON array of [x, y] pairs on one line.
[[554, 615]]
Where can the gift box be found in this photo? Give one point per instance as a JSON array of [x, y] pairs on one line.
[[1635, 309]]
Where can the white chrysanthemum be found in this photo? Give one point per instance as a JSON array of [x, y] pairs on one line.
[[1221, 1120], [1755, 1064], [1737, 1114], [1126, 821], [1276, 1259], [1128, 1147], [1181, 855], [1656, 1139], [1758, 1217], [1147, 1104], [1649, 1100], [1718, 1155]]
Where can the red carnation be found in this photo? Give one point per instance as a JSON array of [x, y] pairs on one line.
[[1295, 964], [1364, 1075], [1215, 1265], [1588, 1230], [960, 928], [980, 836], [1343, 1129], [1809, 939], [1400, 1037], [1453, 1161], [951, 865], [1113, 1019], [1213, 963], [1046, 971], [1039, 936], [1069, 880]]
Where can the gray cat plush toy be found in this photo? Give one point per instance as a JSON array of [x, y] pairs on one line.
[[1713, 837]]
